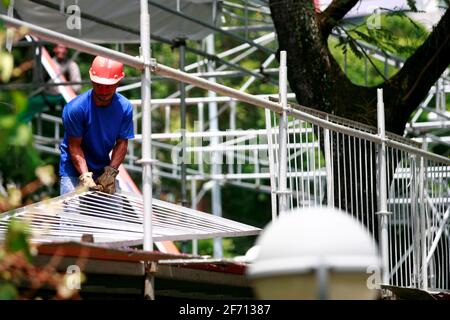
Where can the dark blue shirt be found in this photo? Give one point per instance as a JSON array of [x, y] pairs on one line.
[[99, 128]]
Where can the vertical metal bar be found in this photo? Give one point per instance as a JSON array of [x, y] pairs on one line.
[[361, 183], [350, 169], [355, 182], [412, 211], [319, 171], [391, 241], [434, 221], [296, 170], [182, 50], [308, 163], [382, 211], [194, 206], [167, 118], [391, 224], [56, 136], [406, 217], [232, 127], [437, 95], [416, 223], [200, 129], [399, 218], [283, 135], [290, 198], [146, 141], [302, 177], [328, 164], [216, 167], [338, 147], [272, 166], [344, 165], [366, 166], [312, 150], [422, 213], [146, 126], [372, 192]]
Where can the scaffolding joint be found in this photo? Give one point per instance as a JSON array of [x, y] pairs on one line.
[[144, 161]]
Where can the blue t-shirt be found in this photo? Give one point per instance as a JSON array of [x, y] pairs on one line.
[[99, 128]]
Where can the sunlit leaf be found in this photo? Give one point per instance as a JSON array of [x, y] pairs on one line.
[[14, 196], [46, 174], [19, 100], [22, 136], [6, 66], [6, 3], [7, 122]]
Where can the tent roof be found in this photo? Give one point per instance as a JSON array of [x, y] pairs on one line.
[[123, 13]]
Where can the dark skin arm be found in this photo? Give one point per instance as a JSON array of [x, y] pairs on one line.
[[119, 152], [77, 155]]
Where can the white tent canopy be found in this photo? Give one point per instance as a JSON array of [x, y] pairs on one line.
[[164, 24]]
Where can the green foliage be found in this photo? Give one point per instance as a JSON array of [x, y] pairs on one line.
[[19, 158], [205, 247], [17, 270], [398, 35], [19, 161], [17, 239], [8, 291]]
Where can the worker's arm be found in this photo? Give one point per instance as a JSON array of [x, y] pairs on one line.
[[119, 153], [77, 155]]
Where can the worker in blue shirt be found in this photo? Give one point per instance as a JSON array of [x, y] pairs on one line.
[[95, 123]]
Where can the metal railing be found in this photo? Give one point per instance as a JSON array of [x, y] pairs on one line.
[[345, 169]]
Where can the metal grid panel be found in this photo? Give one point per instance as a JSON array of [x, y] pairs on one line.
[[117, 220]]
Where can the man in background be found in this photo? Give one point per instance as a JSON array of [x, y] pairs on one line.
[[49, 97]]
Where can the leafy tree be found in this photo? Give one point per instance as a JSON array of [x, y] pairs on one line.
[[318, 81], [22, 173]]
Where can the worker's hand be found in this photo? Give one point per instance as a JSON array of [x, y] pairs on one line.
[[108, 180], [87, 181]]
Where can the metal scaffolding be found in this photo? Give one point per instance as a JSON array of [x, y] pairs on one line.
[[295, 137]]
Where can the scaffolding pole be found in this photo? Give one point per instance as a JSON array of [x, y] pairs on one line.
[[215, 167], [282, 191], [146, 160], [383, 213]]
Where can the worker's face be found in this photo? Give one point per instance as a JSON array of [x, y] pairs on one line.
[[103, 93], [60, 52]]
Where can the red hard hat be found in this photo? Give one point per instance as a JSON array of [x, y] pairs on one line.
[[106, 71]]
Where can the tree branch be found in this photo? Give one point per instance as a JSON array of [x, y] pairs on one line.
[[412, 83], [333, 14]]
